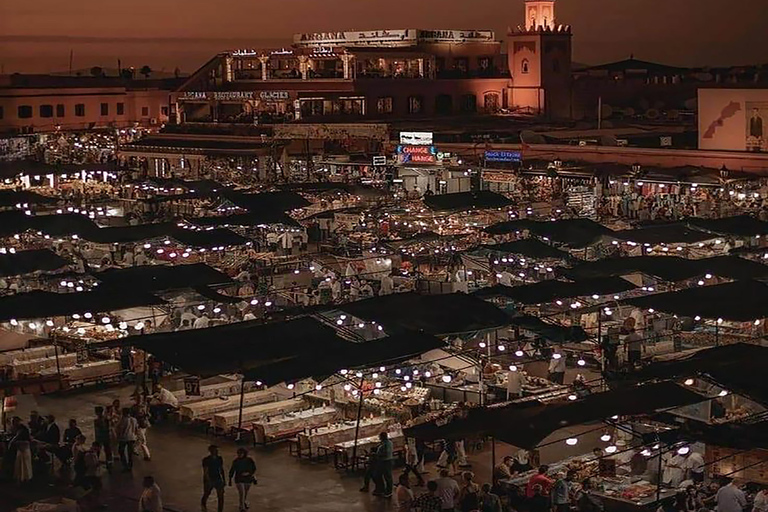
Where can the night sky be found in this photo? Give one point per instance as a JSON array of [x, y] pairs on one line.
[[37, 36]]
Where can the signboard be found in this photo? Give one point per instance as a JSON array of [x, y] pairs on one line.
[[498, 177], [399, 37], [417, 138], [274, 95], [379, 160], [456, 36], [192, 386], [216, 95], [336, 131], [503, 156], [416, 154]]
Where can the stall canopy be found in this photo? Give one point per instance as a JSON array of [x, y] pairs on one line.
[[669, 268], [739, 301], [733, 435], [24, 262], [739, 367], [153, 278], [281, 201], [207, 238], [246, 219], [23, 197], [433, 314], [575, 233], [551, 332], [551, 290], [13, 168], [740, 225], [527, 424], [204, 187], [457, 201], [40, 304], [528, 247], [676, 233]]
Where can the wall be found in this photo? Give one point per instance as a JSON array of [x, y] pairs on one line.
[[733, 119]]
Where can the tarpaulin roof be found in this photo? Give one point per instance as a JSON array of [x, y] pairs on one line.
[[40, 304], [738, 367], [551, 332], [530, 247], [24, 262], [240, 346], [163, 277], [466, 200], [246, 219], [127, 234], [733, 435], [551, 290], [281, 201], [219, 237], [12, 198], [213, 295], [434, 314], [571, 232], [526, 425], [740, 225], [669, 268], [386, 351], [676, 233], [738, 301]]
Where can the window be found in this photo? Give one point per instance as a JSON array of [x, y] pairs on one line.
[[105, 109], [384, 105], [25, 111], [1, 112], [491, 102], [144, 111], [443, 104], [555, 66], [120, 109], [80, 110], [415, 104], [524, 67], [469, 103], [164, 111], [46, 110], [60, 112]]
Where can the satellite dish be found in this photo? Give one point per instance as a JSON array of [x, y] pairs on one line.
[[530, 137]]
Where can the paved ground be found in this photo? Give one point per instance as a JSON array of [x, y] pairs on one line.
[[285, 484]]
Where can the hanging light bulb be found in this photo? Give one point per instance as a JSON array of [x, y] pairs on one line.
[[446, 378], [605, 437], [571, 441], [512, 368], [688, 382], [427, 374], [581, 362], [290, 386], [683, 450], [611, 449], [646, 452], [519, 353]]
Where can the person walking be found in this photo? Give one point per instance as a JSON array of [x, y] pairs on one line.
[[385, 461], [469, 498], [126, 438], [560, 493], [92, 472], [151, 499], [242, 469], [404, 494], [102, 435], [141, 413], [213, 478], [412, 460], [448, 491]]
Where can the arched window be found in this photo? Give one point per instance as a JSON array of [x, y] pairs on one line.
[[524, 67]]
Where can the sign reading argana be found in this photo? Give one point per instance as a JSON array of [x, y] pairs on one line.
[[332, 131], [390, 38], [733, 119]]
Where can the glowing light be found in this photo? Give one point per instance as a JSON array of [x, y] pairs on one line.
[[512, 368], [572, 397], [556, 356], [139, 326], [610, 449], [605, 437], [519, 353], [683, 450], [688, 382], [723, 393], [581, 362], [571, 441], [446, 378]]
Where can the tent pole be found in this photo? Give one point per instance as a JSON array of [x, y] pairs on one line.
[[717, 334], [56, 351], [357, 425], [493, 455], [240, 411], [658, 481], [600, 344]]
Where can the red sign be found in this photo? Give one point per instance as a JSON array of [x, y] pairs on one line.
[[417, 154]]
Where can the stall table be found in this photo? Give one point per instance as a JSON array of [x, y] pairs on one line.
[[228, 419], [291, 423], [206, 408], [27, 366], [328, 436]]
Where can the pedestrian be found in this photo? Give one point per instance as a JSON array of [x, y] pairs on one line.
[[730, 498], [126, 438], [141, 413], [242, 469], [78, 459], [404, 494], [151, 499], [538, 502], [489, 502], [101, 433], [385, 459], [469, 498], [92, 471], [213, 478], [371, 468], [561, 501], [430, 501], [557, 368], [448, 491], [412, 460]]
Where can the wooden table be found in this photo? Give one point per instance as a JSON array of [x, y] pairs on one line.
[[228, 419]]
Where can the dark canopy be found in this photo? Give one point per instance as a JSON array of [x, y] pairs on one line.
[[246, 219], [740, 225], [40, 304], [738, 301], [128, 234], [549, 291], [571, 232], [669, 268], [13, 198], [13, 168], [526, 425], [551, 332], [163, 277], [25, 262], [207, 238], [529, 247], [433, 314], [676, 233], [466, 200], [281, 201]]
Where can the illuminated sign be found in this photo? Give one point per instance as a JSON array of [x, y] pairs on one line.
[[456, 36], [417, 154], [498, 177], [217, 95], [401, 37], [416, 138], [503, 156], [274, 95]]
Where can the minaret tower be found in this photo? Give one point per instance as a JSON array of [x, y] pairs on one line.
[[539, 56]]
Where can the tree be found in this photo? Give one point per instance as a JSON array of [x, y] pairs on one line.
[[97, 71], [146, 71], [126, 74]]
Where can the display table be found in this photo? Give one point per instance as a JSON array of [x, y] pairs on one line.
[[27, 366], [26, 354], [227, 419], [88, 371], [331, 435], [625, 493], [365, 444], [206, 408], [223, 385], [278, 426]]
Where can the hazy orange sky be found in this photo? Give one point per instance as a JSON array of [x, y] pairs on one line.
[[38, 35]]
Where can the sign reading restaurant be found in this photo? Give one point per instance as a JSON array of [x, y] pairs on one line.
[[398, 37], [216, 95]]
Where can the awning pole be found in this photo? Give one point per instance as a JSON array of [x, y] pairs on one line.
[[357, 425], [240, 412]]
